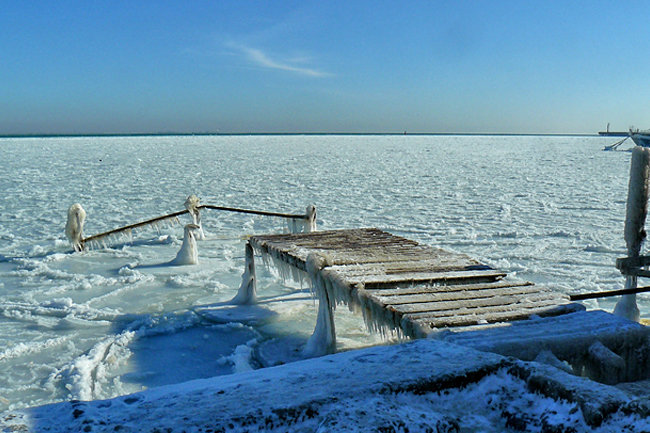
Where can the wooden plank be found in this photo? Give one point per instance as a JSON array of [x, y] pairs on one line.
[[375, 281], [460, 295], [459, 312], [470, 306], [425, 288], [439, 264], [428, 323]]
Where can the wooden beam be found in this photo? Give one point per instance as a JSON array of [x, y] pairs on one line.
[[605, 294]]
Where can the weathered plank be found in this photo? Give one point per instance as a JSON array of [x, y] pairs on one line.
[[375, 281], [458, 295], [440, 288], [472, 305], [487, 317]]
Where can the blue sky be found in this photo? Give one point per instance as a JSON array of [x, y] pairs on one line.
[[323, 66]]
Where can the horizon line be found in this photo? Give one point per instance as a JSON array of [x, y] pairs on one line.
[[404, 133]]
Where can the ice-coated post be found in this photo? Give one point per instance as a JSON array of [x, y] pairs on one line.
[[192, 205], [247, 291], [323, 340], [310, 225], [635, 216], [74, 227], [189, 253]]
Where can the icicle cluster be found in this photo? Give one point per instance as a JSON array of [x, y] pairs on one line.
[[126, 235]]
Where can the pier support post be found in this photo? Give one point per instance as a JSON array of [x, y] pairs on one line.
[[247, 293], [635, 216], [323, 340]]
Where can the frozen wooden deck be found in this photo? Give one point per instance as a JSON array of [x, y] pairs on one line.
[[415, 288]]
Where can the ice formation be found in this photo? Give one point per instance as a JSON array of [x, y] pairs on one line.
[[188, 254], [247, 291], [192, 205], [304, 225], [75, 225], [636, 212], [323, 340]]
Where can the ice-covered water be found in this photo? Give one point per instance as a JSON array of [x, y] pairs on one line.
[[115, 320]]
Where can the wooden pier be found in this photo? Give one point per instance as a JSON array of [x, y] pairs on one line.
[[409, 287]]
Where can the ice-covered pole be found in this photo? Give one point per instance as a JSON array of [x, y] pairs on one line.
[[247, 291], [310, 225], [189, 253], [75, 226], [323, 340], [636, 212], [192, 205]]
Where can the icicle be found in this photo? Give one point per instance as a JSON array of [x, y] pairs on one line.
[[636, 212], [75, 225], [188, 254], [323, 340], [192, 205], [247, 291], [281, 268]]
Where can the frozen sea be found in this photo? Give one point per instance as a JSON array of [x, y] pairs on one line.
[[115, 320]]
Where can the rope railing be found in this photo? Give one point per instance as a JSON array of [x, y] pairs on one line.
[[80, 243], [133, 226], [254, 212], [608, 293]]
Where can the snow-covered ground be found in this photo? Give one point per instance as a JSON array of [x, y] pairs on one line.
[[422, 386]]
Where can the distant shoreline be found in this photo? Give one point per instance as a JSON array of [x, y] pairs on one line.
[[226, 134]]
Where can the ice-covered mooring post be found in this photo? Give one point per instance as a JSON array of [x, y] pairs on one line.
[[74, 227], [247, 293], [189, 253], [192, 205], [636, 212]]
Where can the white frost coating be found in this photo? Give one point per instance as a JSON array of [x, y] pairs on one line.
[[192, 205], [247, 291], [323, 340], [188, 254], [636, 212], [75, 225]]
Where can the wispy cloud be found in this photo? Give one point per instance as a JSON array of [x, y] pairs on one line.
[[260, 58]]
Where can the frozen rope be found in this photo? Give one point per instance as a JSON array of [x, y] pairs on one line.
[[192, 207]]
